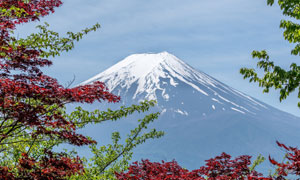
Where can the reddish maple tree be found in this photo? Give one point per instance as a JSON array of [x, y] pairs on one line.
[[28, 97], [223, 167], [147, 170], [291, 166], [219, 168]]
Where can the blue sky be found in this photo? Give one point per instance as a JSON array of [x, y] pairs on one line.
[[216, 37]]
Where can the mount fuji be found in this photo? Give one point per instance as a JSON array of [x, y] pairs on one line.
[[201, 116]]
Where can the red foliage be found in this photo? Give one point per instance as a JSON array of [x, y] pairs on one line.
[[292, 166], [218, 168], [147, 170], [5, 174], [51, 166], [222, 168], [26, 95]]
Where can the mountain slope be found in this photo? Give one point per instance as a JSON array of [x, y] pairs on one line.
[[154, 75], [201, 116]]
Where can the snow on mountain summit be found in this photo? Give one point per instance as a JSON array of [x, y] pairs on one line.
[[150, 73], [146, 69]]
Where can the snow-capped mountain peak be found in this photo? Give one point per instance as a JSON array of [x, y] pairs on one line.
[[152, 76], [147, 69]]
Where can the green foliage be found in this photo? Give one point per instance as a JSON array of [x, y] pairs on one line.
[[286, 81], [260, 159], [50, 41], [114, 157], [83, 117], [19, 12], [106, 159], [21, 141]]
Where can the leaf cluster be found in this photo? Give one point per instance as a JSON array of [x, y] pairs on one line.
[[218, 168], [50, 41], [115, 157], [286, 81], [32, 105]]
